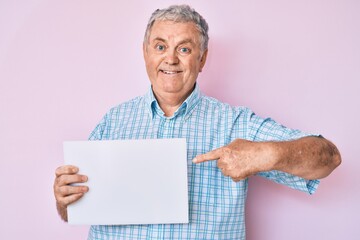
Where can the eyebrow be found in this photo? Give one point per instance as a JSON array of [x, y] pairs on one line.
[[188, 40]]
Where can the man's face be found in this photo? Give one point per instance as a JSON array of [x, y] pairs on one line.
[[173, 59]]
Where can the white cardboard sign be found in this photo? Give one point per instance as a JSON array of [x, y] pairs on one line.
[[130, 181]]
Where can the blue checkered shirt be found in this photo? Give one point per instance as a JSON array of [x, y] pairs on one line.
[[216, 203]]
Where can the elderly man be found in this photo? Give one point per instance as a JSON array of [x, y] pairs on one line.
[[234, 142]]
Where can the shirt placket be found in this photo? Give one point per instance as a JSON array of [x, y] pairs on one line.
[[166, 128]]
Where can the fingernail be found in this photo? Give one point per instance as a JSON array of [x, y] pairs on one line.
[[84, 178], [194, 160]]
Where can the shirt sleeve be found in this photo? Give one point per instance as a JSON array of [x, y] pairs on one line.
[[266, 129], [97, 133]]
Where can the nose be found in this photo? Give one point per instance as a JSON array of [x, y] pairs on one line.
[[171, 58]]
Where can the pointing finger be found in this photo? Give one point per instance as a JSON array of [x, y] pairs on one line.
[[210, 156]]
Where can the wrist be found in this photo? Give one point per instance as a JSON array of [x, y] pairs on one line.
[[274, 161], [62, 211]]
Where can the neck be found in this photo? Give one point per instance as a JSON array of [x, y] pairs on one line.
[[170, 102]]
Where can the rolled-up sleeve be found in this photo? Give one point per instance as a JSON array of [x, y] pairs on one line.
[[266, 129]]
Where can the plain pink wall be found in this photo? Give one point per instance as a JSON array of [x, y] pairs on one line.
[[63, 64]]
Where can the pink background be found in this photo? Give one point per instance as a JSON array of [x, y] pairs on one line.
[[63, 64]]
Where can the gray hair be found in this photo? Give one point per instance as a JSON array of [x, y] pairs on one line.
[[180, 13]]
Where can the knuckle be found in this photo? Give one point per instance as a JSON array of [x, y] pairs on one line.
[[222, 163], [236, 179], [225, 173], [58, 171], [59, 181], [66, 169], [64, 191], [226, 150], [56, 193], [63, 180], [238, 140], [56, 189]]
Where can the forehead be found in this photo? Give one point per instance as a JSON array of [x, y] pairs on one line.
[[177, 31]]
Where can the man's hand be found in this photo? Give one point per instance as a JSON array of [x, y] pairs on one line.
[[240, 159], [307, 157], [65, 193]]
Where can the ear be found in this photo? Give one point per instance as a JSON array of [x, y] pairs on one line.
[[203, 59], [144, 50]]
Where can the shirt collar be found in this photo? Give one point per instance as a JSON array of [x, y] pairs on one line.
[[185, 109]]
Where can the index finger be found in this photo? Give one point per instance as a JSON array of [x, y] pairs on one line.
[[66, 169], [209, 156]]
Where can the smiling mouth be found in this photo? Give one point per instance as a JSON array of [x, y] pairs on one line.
[[170, 72]]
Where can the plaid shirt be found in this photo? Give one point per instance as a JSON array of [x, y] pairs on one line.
[[216, 203]]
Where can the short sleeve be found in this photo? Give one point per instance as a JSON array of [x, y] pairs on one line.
[[97, 133], [295, 182], [266, 129]]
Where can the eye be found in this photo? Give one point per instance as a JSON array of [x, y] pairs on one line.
[[184, 50], [160, 47]]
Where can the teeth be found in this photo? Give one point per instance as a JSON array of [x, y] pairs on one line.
[[169, 72]]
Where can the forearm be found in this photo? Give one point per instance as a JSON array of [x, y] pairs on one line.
[[308, 157]]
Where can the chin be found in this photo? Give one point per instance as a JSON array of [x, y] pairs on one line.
[[171, 87], [172, 90]]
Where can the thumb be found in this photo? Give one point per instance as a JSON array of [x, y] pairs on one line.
[[209, 156]]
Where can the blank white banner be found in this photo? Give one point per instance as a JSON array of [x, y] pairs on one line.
[[130, 181]]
